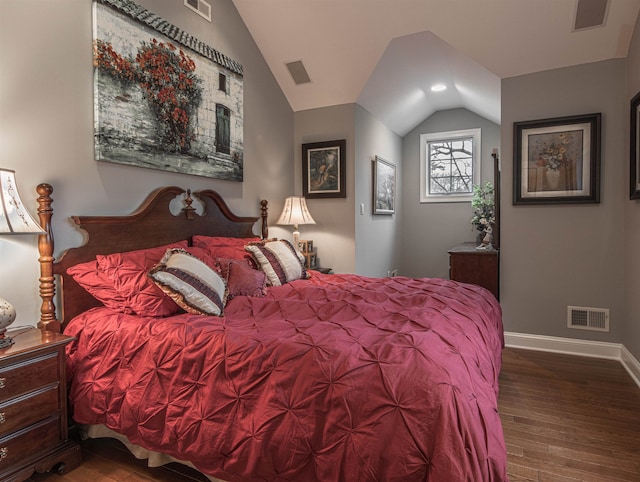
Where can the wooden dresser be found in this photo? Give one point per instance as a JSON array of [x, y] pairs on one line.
[[33, 407], [479, 267]]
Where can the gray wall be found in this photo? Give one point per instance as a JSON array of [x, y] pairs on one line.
[[430, 229], [334, 233], [46, 127], [632, 220], [553, 256], [377, 236]]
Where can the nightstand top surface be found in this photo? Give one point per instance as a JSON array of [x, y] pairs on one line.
[[27, 339]]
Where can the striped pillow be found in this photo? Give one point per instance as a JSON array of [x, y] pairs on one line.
[[279, 261], [192, 284]]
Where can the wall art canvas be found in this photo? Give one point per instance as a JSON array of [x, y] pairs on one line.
[[324, 168], [557, 161], [162, 98], [384, 187]]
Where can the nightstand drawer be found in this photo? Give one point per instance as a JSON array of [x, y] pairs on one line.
[[28, 375], [30, 442], [33, 407]]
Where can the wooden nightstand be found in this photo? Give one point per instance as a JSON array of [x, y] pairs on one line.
[[33, 407], [475, 266]]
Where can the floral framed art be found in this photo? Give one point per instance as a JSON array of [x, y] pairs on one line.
[[384, 187], [324, 168], [557, 161], [634, 141]]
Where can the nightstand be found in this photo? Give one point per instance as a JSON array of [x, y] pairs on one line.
[[33, 407], [476, 266]]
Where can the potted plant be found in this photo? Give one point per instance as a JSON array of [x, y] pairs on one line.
[[484, 217]]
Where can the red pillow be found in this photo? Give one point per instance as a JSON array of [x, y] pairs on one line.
[[224, 247], [89, 276], [241, 278], [128, 273]]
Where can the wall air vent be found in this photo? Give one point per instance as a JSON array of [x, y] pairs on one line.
[[298, 72], [201, 7], [590, 14], [582, 318]]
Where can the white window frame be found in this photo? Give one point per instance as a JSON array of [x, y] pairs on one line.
[[425, 197]]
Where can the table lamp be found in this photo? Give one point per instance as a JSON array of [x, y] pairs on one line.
[[14, 219], [295, 212]]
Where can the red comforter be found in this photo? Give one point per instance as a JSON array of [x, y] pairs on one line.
[[338, 378]]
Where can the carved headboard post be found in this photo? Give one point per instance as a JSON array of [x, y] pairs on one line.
[[48, 320], [264, 211]]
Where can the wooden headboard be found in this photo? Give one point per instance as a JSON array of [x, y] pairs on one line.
[[152, 224]]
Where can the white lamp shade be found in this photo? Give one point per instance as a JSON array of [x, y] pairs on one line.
[[295, 212], [14, 217]]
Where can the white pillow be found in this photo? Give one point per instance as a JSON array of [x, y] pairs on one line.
[[192, 284], [279, 261]]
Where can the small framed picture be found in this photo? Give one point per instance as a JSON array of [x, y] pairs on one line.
[[384, 187], [324, 168], [557, 161], [312, 260], [635, 148], [305, 246]]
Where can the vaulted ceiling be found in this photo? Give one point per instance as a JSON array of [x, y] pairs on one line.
[[386, 54]]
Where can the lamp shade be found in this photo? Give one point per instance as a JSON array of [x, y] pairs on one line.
[[14, 217], [295, 212]]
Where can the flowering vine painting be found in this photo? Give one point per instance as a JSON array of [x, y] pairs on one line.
[[162, 98]]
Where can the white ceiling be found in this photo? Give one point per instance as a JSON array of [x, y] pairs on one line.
[[385, 54]]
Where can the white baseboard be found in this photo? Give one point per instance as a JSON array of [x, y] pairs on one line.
[[572, 346]]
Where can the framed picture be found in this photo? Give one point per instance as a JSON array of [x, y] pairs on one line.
[[324, 168], [635, 148], [384, 187], [305, 246], [557, 161]]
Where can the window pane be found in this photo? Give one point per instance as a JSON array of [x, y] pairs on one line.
[[450, 166]]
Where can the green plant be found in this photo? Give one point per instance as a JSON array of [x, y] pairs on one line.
[[483, 204]]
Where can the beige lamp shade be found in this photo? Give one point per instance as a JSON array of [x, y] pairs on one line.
[[14, 217], [295, 212]]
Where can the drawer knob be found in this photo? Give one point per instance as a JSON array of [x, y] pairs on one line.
[[3, 417], [3, 382], [4, 452]]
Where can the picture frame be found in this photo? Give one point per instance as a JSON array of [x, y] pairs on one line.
[[305, 246], [634, 143], [557, 161], [384, 186], [324, 168]]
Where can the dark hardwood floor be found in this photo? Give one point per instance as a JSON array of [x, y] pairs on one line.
[[565, 418]]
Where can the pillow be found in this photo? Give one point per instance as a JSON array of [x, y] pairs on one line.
[[279, 261], [89, 276], [128, 273], [224, 247], [190, 283], [242, 279]]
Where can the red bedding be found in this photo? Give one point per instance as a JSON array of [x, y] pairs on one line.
[[337, 378]]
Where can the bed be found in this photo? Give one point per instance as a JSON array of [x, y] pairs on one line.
[[319, 377]]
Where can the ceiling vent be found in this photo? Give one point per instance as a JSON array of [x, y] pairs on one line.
[[298, 72], [201, 7], [590, 14], [582, 318]]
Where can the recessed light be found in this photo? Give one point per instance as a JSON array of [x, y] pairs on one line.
[[438, 87]]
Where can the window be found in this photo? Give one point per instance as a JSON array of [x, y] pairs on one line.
[[223, 85], [449, 165]]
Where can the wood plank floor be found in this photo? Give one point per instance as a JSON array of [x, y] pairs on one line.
[[565, 418]]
